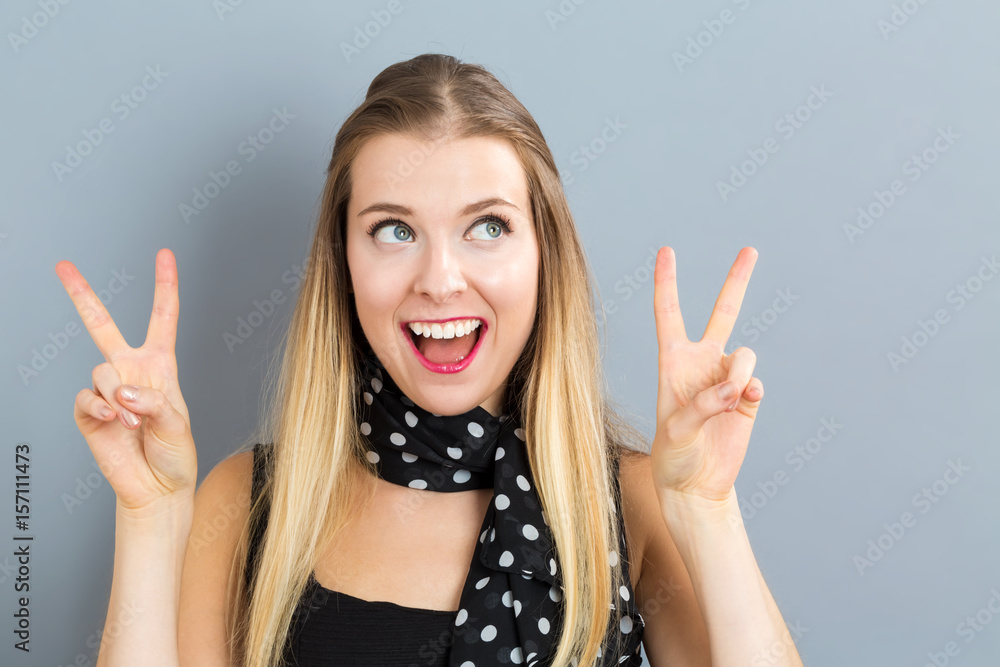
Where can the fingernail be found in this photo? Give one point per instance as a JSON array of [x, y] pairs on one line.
[[727, 391], [107, 413], [130, 392], [130, 419]]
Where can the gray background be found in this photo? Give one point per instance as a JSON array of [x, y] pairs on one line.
[[826, 356]]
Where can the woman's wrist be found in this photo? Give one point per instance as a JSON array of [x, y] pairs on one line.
[[682, 509]]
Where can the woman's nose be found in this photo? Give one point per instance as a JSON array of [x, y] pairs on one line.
[[440, 275]]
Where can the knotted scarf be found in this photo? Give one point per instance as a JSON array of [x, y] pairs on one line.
[[509, 611]]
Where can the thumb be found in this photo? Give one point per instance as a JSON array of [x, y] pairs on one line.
[[168, 424], [707, 403]]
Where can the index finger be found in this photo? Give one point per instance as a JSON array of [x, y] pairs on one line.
[[666, 306], [95, 316], [727, 306]]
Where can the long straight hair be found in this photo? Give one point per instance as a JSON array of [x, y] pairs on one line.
[[557, 388]]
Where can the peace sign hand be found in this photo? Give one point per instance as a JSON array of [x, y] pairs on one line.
[[143, 444], [700, 443]]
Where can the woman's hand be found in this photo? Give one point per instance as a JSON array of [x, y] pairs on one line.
[[702, 435], [142, 444]]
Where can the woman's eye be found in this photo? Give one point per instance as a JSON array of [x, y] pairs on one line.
[[402, 233], [493, 229]]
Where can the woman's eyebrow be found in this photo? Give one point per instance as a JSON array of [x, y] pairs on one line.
[[399, 209]]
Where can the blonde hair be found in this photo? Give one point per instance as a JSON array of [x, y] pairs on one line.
[[574, 431]]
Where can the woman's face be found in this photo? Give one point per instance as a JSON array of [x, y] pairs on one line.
[[444, 255]]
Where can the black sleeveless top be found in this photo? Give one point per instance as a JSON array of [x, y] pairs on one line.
[[332, 628]]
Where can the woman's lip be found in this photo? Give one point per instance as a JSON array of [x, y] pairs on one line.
[[445, 368], [450, 319]]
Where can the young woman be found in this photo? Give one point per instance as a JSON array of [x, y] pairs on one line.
[[440, 478]]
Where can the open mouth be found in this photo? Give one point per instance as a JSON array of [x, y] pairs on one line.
[[446, 355]]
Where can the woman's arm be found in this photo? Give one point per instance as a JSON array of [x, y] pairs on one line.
[[141, 626], [744, 624]]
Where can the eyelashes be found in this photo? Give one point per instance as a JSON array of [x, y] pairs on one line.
[[498, 218]]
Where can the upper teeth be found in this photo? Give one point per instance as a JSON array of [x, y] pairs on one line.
[[453, 329]]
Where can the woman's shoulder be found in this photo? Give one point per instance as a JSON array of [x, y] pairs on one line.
[[225, 492]]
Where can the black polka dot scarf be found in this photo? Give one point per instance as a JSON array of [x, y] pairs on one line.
[[509, 611]]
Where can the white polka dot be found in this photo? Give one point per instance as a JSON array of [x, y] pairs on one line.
[[376, 385], [502, 502], [552, 566], [556, 595], [409, 458], [543, 625], [475, 429], [517, 607], [522, 482], [366, 428], [417, 484], [624, 593], [397, 439], [368, 398], [530, 531], [626, 625], [493, 534], [531, 654], [515, 655], [508, 599], [468, 663], [545, 517], [613, 558], [372, 456], [455, 452], [482, 538], [461, 476], [411, 419], [489, 633], [482, 582], [506, 558], [461, 616], [499, 454], [519, 432]]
